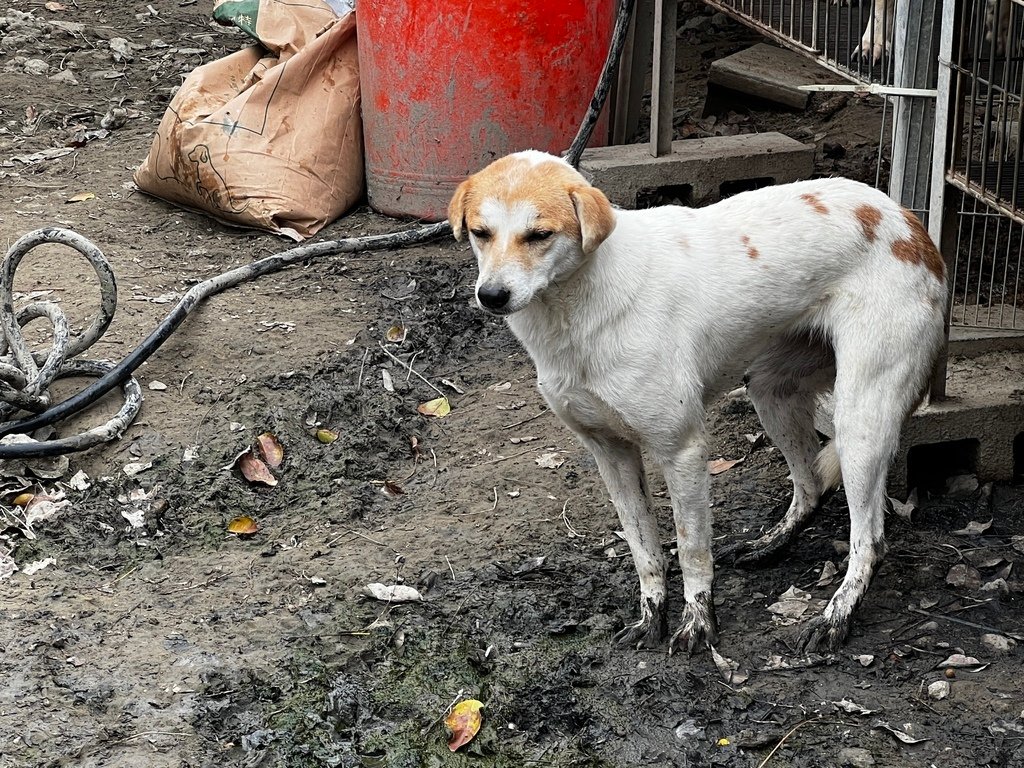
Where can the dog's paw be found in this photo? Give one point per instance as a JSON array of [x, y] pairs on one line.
[[823, 635], [648, 631], [753, 552], [699, 628], [868, 54]]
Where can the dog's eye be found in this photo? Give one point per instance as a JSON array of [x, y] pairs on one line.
[[481, 234], [536, 235]]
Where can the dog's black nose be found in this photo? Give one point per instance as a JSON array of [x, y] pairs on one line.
[[492, 297]]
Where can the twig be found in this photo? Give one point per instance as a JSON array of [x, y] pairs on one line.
[[450, 567], [502, 458], [411, 370], [953, 619], [495, 505], [126, 739], [573, 533], [444, 712], [526, 421], [362, 365], [782, 741], [208, 582]]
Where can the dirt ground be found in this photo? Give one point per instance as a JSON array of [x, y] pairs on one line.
[[155, 638]]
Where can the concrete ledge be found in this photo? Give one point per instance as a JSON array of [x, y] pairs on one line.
[[767, 72], [626, 171]]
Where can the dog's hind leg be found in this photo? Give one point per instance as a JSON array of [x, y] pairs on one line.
[[686, 474], [783, 384], [871, 402], [622, 470]]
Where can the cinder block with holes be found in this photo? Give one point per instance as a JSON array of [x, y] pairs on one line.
[[698, 171]]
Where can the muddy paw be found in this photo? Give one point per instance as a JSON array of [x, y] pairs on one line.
[[699, 628], [648, 632], [822, 635]]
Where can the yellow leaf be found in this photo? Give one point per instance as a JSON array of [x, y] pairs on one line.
[[723, 742], [81, 197], [270, 449], [243, 526], [464, 722], [23, 499], [439, 407], [326, 436], [396, 334]]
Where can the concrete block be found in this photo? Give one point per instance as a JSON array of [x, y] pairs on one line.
[[626, 172], [767, 72]]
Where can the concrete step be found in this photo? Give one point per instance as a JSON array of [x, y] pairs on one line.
[[698, 171]]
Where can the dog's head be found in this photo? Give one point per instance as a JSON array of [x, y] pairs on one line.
[[532, 220]]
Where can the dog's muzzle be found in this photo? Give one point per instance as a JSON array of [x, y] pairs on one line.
[[493, 298]]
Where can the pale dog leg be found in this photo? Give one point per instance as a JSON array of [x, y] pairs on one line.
[[870, 410], [622, 470], [874, 42], [783, 385], [686, 474]]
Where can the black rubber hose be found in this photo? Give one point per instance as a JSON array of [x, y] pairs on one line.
[[198, 293]]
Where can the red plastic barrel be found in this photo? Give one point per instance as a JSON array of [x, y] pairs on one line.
[[449, 85]]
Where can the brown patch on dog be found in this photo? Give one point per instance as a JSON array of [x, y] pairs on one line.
[[869, 217], [815, 202], [918, 248], [752, 252]]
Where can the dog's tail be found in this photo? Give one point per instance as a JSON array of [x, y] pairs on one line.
[[827, 469]]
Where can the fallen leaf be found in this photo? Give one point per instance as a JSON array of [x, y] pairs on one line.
[[136, 467], [1017, 542], [464, 722], [157, 386], [270, 449], [438, 407], [723, 742], [962, 575], [974, 528], [386, 381], [718, 466], [391, 490], [38, 565], [326, 436], [452, 385], [902, 735], [243, 526], [55, 7], [865, 659], [961, 485], [396, 334], [23, 499], [905, 509], [549, 461], [828, 574], [959, 661], [755, 440], [254, 470], [727, 668], [853, 708], [504, 386], [524, 439], [81, 197], [394, 593]]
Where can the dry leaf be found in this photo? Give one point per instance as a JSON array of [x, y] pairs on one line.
[[270, 449], [959, 661], [386, 381], [52, 6], [905, 509], [243, 526], [391, 490], [865, 659], [974, 528], [524, 439], [828, 574], [902, 735], [254, 470], [727, 668], [549, 461], [464, 722], [23, 499], [326, 436], [395, 593], [438, 407], [962, 576], [81, 197], [504, 386], [718, 466], [853, 708], [396, 334]]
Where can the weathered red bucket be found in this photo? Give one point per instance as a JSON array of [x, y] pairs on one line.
[[449, 85]]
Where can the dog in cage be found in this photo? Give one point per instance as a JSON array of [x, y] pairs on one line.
[[876, 42]]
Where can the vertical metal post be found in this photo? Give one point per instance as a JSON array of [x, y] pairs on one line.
[[913, 117], [663, 77], [942, 220]]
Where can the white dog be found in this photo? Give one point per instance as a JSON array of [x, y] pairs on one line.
[[637, 320]]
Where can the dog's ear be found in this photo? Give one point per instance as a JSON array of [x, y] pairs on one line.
[[595, 214], [457, 209]]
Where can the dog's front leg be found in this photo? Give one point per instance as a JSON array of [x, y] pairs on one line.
[[686, 473], [622, 469]]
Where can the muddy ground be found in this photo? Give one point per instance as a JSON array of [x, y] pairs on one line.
[[169, 642]]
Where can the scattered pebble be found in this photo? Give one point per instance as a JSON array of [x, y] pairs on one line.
[[939, 689], [856, 757], [157, 386], [36, 67], [998, 643]]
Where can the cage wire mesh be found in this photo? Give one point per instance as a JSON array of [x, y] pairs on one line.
[[988, 92]]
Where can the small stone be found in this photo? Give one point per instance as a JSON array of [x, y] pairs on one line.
[[856, 757], [157, 386], [36, 67], [939, 689], [65, 77], [998, 643]]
